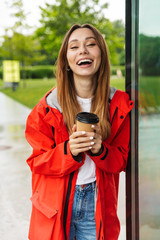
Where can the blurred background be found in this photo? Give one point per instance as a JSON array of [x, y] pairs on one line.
[[31, 33]]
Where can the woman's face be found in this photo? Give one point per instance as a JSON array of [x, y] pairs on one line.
[[83, 53]]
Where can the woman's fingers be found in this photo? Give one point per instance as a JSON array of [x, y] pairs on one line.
[[97, 139], [84, 141], [74, 129], [81, 147], [96, 129], [81, 142], [77, 134]]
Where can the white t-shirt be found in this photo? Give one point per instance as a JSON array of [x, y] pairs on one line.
[[87, 172]]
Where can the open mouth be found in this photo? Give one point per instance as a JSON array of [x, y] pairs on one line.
[[83, 62]]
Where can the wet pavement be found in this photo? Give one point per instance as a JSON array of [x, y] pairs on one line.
[[149, 177], [15, 184]]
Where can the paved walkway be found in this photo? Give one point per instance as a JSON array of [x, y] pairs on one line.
[[15, 184]]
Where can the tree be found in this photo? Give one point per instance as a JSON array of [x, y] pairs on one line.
[[59, 17], [149, 55], [17, 44], [26, 49]]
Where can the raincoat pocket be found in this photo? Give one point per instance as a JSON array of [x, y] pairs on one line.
[[40, 205]]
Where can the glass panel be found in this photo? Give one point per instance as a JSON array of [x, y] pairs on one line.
[[149, 120], [118, 81]]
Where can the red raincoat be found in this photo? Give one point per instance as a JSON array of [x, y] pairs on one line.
[[54, 171]]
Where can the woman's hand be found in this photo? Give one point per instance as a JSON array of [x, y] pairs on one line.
[[83, 141], [97, 140]]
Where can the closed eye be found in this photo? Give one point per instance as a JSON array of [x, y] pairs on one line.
[[74, 47], [91, 45]]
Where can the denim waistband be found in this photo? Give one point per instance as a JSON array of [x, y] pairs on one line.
[[86, 187]]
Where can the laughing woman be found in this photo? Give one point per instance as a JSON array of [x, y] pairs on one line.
[[75, 174]]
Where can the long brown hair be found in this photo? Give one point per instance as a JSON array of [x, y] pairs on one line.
[[66, 90]]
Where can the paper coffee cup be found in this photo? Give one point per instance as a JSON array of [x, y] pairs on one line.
[[85, 120]]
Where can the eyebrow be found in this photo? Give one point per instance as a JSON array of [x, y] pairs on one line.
[[76, 40]]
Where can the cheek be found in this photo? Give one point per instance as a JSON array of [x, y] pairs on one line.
[[99, 59], [97, 54], [70, 57]]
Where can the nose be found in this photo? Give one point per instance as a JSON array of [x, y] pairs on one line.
[[83, 49]]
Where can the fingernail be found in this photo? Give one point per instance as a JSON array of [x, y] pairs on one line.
[[83, 132], [91, 138], [93, 126], [90, 147], [92, 143]]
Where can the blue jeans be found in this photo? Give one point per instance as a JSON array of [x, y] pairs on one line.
[[83, 225]]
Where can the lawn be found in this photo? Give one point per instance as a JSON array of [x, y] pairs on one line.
[[33, 90], [149, 88], [30, 92]]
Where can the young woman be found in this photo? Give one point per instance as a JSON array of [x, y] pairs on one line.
[[75, 174]]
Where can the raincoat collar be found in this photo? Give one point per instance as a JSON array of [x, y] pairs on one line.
[[120, 105]]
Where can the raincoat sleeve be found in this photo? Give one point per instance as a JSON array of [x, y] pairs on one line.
[[47, 158], [113, 159]]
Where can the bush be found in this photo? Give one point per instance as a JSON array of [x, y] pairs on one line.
[[115, 68], [151, 71], [48, 71], [149, 55], [37, 72]]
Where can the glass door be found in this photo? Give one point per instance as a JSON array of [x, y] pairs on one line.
[[149, 119]]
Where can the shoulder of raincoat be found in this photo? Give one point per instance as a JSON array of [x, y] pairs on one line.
[[54, 170]]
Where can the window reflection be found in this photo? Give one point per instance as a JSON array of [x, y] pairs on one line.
[[149, 120]]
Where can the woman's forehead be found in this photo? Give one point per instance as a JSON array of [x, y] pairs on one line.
[[81, 34]]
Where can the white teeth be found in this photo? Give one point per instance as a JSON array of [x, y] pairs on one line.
[[85, 60]]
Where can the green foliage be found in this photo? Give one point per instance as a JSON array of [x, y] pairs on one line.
[[114, 36], [58, 18], [19, 15], [49, 71], [114, 70], [149, 55], [37, 72], [149, 100], [1, 73], [22, 48], [42, 47], [17, 45]]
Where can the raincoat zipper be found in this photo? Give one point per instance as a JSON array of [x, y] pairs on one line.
[[99, 230], [114, 115], [67, 203]]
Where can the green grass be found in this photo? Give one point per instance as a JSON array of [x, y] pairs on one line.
[[33, 90], [118, 83], [30, 92], [149, 89]]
